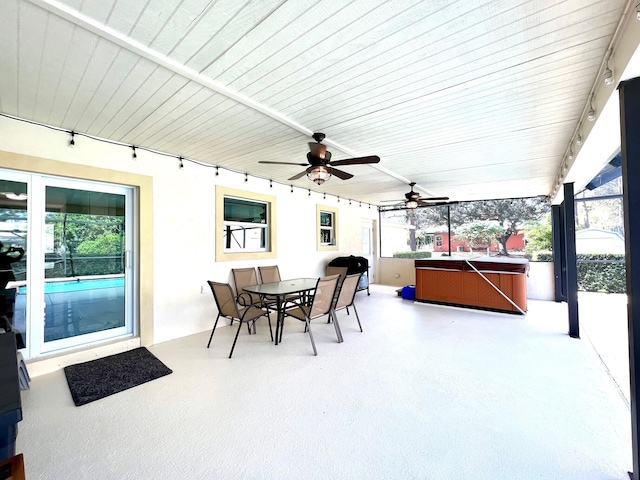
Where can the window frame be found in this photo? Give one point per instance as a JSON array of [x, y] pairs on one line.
[[223, 255]]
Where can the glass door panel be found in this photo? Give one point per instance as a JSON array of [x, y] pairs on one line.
[[85, 281]]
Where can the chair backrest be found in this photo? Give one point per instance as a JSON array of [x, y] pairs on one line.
[[225, 301], [342, 271], [269, 274], [348, 291], [244, 277], [323, 296], [331, 270]]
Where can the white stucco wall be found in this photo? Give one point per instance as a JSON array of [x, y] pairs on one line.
[[184, 233]]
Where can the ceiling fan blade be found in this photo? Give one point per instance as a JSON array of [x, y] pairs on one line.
[[339, 173], [283, 163], [432, 202], [433, 199], [299, 175], [357, 161]]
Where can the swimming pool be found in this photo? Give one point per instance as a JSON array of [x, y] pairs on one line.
[[78, 285]]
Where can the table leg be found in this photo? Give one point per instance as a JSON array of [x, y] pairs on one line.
[[279, 317]]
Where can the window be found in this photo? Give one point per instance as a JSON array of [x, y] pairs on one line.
[[438, 240], [327, 228], [244, 225]]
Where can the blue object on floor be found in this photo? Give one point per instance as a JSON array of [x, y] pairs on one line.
[[409, 292]]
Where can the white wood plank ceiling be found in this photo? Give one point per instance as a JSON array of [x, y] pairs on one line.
[[472, 99]]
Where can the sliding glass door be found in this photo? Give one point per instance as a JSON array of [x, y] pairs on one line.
[[77, 286]]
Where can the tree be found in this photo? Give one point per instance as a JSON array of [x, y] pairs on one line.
[[479, 234], [539, 236], [106, 244], [511, 215]]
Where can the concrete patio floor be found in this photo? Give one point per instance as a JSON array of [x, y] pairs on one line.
[[603, 322], [426, 392]]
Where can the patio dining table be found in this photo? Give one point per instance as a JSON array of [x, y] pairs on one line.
[[280, 290]]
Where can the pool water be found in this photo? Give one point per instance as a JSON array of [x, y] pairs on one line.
[[76, 307], [78, 285]]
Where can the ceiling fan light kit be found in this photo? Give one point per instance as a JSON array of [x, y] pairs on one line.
[[318, 175]]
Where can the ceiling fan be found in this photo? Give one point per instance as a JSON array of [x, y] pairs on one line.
[[320, 167], [413, 200]]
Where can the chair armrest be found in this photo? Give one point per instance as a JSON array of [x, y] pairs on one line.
[[244, 300]]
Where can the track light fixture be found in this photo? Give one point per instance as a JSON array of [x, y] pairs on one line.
[[246, 177], [134, 155], [638, 11], [608, 76], [270, 183], [591, 116], [72, 142], [181, 164], [217, 170], [571, 154], [578, 139]]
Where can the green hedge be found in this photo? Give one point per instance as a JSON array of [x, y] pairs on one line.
[[412, 255], [597, 272], [602, 272], [543, 257]]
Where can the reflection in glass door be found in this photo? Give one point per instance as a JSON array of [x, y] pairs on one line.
[[13, 255]]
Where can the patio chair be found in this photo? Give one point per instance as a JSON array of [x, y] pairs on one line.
[[347, 296], [228, 307], [322, 302]]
